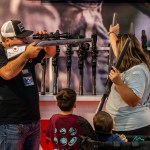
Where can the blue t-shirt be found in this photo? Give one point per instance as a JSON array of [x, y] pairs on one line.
[[104, 137]]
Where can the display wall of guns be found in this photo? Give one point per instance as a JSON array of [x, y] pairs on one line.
[[94, 62], [111, 55], [109, 82], [81, 42]]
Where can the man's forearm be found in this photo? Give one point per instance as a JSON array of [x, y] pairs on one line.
[[14, 67]]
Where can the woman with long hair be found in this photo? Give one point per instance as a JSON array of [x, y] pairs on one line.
[[128, 102]]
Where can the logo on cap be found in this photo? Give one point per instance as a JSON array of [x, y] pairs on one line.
[[21, 27]]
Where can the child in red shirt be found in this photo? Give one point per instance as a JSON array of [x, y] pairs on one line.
[[65, 128]]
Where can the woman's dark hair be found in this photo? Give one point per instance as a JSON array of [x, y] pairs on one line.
[[66, 99], [103, 122]]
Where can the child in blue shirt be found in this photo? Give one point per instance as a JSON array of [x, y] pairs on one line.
[[103, 124]]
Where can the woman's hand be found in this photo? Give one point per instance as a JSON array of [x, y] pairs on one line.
[[114, 29], [114, 75]]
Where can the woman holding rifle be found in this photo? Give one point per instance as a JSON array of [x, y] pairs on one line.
[[129, 99]]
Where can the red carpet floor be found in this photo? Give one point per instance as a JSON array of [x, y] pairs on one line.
[[44, 145]]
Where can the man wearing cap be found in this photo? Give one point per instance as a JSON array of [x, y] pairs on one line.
[[19, 99]]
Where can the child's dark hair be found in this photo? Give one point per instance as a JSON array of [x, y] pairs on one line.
[[66, 99], [103, 122]]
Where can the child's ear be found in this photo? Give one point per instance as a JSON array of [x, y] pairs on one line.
[[74, 105]]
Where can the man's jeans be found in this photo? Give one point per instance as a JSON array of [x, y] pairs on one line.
[[20, 136]]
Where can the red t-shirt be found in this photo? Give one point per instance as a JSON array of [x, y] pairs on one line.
[[64, 131]]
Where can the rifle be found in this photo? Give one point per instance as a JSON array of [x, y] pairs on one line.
[[63, 42], [144, 40], [109, 82], [55, 65], [81, 54], [69, 53], [43, 87], [55, 69], [94, 62]]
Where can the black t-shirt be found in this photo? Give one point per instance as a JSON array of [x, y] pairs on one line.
[[19, 98]]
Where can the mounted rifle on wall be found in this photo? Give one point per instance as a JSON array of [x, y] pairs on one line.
[[94, 62]]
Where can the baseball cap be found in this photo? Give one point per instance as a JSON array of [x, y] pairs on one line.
[[14, 28]]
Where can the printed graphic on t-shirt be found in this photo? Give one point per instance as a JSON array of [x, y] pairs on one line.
[[55, 130], [64, 134], [72, 141], [55, 140], [72, 131], [27, 77], [62, 130], [63, 141]]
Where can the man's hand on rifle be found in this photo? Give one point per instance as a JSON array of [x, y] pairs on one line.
[[50, 50], [32, 50]]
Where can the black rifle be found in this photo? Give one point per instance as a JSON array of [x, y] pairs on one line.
[[55, 70], [69, 53], [109, 82], [94, 62], [55, 60], [63, 42], [43, 87], [81, 54], [144, 40]]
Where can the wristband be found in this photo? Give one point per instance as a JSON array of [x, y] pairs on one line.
[[111, 32]]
